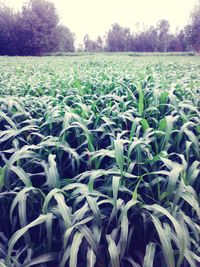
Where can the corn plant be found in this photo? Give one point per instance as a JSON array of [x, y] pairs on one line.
[[99, 162]]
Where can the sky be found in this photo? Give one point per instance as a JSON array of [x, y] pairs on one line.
[[95, 17]]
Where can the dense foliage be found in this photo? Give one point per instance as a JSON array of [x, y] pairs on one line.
[[151, 39], [33, 31], [99, 162], [193, 29]]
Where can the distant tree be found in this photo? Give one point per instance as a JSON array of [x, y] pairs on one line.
[[80, 48], [90, 45], [177, 42], [163, 35], [7, 30], [182, 41], [139, 42], [145, 41], [174, 44], [100, 44], [152, 37], [118, 38], [64, 39], [193, 29], [36, 27]]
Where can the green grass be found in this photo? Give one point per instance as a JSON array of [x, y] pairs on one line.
[[100, 161]]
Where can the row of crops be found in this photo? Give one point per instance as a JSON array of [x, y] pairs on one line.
[[99, 162]]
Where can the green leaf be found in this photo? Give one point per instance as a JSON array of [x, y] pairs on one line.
[[75, 248], [2, 182], [115, 188], [113, 252], [166, 243], [22, 175], [149, 255], [141, 99], [51, 171], [17, 235], [91, 258], [2, 264], [135, 194], [48, 257], [64, 209], [145, 125], [119, 154]]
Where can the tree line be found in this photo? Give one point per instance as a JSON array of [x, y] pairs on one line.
[[152, 39], [35, 30]]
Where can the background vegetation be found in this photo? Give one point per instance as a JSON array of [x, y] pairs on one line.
[[35, 30]]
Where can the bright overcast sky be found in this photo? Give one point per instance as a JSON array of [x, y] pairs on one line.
[[96, 16]]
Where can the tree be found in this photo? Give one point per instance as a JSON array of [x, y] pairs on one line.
[[177, 42], [163, 35], [80, 48], [182, 41], [145, 41], [100, 44], [7, 31], [93, 45], [118, 38], [37, 27], [64, 39], [90, 45], [193, 29], [33, 31]]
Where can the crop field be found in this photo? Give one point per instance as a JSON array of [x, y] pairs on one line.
[[100, 161]]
